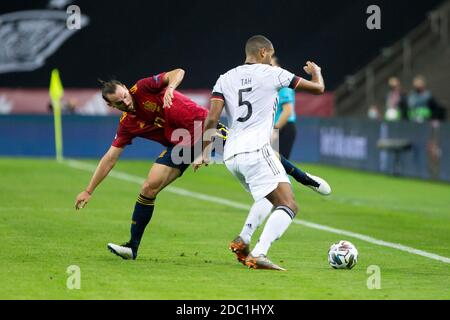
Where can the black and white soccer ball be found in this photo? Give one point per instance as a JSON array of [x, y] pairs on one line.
[[342, 255]]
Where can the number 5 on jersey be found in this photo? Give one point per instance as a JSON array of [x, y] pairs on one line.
[[242, 102]]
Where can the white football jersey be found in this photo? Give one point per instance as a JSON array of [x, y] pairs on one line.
[[250, 93]]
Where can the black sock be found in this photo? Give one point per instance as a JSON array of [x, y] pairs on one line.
[[296, 173], [143, 211]]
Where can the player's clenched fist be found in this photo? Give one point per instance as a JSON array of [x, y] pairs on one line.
[[82, 200], [311, 68]]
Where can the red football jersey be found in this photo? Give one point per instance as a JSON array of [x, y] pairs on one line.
[[130, 127], [151, 121]]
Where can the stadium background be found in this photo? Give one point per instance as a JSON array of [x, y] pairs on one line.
[[133, 39], [205, 39]]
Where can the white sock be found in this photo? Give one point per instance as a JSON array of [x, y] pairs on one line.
[[258, 213], [276, 225]]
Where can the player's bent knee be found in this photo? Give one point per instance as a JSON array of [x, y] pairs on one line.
[[150, 191]]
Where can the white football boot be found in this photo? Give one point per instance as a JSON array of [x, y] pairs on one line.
[[123, 251], [323, 187]]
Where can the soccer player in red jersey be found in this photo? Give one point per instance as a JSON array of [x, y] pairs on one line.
[[152, 110]]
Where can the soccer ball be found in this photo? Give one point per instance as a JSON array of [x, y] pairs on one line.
[[342, 255]]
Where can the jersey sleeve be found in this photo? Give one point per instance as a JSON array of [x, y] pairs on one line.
[[286, 95], [122, 138], [285, 79], [152, 84], [217, 92]]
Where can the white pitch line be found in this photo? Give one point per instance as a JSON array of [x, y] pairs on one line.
[[374, 241], [179, 191]]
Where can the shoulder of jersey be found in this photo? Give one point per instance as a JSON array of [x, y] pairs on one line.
[[134, 88], [256, 67], [123, 117]]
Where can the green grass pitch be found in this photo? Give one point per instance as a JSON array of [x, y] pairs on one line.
[[184, 253]]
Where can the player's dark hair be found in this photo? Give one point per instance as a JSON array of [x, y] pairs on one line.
[[255, 43], [109, 87]]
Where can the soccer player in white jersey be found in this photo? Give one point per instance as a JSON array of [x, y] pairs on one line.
[[249, 95]]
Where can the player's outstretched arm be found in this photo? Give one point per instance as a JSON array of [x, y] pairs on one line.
[[172, 80], [104, 167], [316, 85]]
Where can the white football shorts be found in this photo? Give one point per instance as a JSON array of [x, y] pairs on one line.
[[259, 171]]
